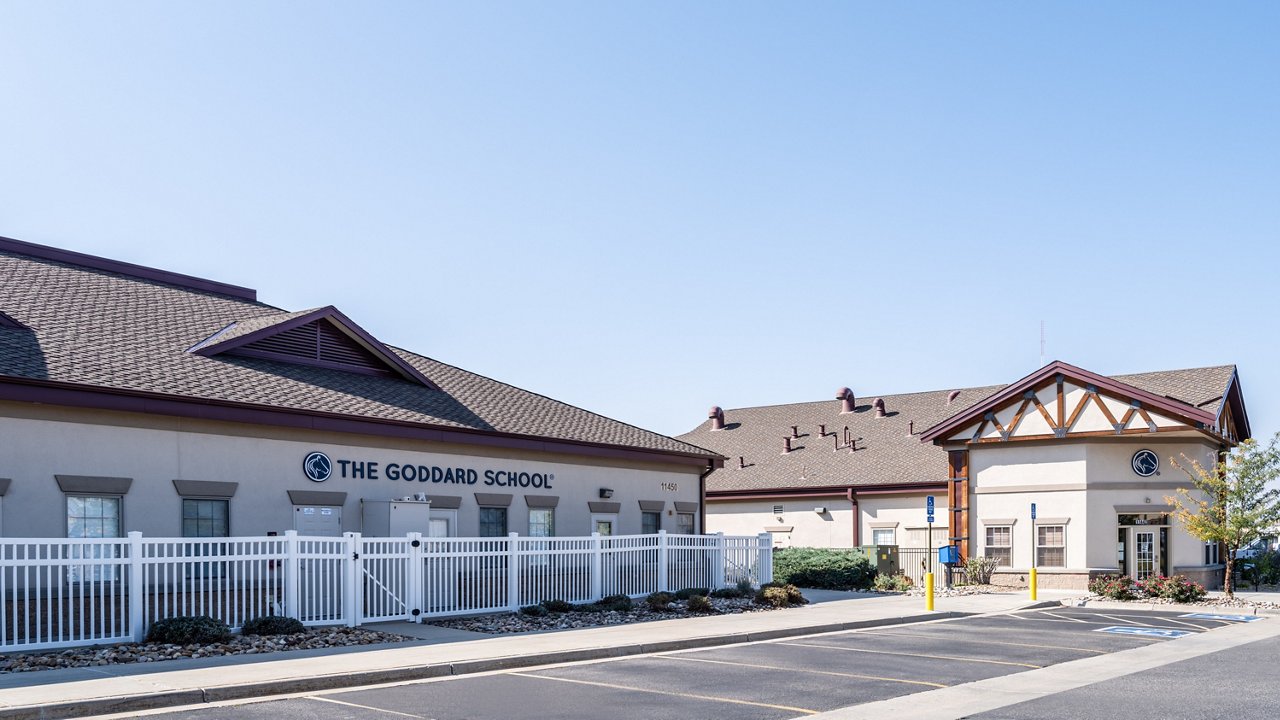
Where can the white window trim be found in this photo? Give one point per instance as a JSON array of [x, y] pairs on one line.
[[605, 517], [985, 545], [529, 521], [1037, 547]]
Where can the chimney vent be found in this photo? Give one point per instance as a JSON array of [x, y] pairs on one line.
[[795, 431], [847, 401], [879, 407], [911, 428], [742, 462], [951, 396], [822, 431], [786, 445], [717, 417]]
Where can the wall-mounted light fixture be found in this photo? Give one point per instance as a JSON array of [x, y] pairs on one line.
[[820, 510], [606, 493]]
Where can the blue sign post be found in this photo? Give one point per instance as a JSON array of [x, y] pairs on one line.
[[928, 508]]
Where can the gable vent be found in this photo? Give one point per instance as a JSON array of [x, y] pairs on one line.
[[316, 343]]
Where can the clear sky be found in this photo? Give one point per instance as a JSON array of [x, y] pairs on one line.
[[649, 208]]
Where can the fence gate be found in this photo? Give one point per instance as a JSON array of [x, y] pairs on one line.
[[388, 577]]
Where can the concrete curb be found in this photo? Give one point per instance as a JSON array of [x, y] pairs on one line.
[[173, 698], [1167, 607]]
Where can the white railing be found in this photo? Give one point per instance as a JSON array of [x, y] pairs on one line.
[[60, 593]]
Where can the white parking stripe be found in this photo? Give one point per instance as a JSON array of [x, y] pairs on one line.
[[365, 707]]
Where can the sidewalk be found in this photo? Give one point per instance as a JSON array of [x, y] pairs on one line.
[[440, 652]]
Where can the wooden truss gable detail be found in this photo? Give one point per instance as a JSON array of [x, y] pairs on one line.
[[1068, 406]]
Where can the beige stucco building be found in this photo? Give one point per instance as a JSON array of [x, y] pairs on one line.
[[135, 399], [1093, 454]]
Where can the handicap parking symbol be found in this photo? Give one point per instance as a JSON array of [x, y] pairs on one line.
[[1145, 631], [1216, 616]]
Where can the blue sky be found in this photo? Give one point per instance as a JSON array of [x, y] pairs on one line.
[[649, 208]]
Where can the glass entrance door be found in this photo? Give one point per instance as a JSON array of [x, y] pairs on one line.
[[1146, 555]]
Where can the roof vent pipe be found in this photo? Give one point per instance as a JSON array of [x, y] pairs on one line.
[[822, 431], [951, 396], [847, 401], [742, 462], [717, 418], [795, 431], [879, 407], [911, 428], [786, 445]]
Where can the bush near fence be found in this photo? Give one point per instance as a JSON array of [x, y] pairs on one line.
[[823, 568]]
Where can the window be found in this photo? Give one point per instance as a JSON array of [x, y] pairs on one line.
[[1211, 553], [204, 518], [883, 536], [603, 524], [542, 522], [685, 523], [1051, 546], [93, 517], [493, 522], [999, 545], [650, 523]]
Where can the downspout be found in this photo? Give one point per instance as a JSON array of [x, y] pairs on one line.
[[857, 522], [702, 495]]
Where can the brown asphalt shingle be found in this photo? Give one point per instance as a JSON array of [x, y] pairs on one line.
[[97, 328]]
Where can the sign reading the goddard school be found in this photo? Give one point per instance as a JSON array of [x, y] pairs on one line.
[[318, 467]]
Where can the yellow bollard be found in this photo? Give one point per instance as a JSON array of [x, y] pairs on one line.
[[928, 591], [1033, 583]]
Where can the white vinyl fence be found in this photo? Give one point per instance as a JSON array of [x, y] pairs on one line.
[[67, 592]]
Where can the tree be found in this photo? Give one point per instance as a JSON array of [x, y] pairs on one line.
[[1232, 503]]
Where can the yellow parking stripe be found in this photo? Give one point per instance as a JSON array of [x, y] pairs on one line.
[[910, 654], [365, 707], [994, 642], [667, 692], [806, 670]]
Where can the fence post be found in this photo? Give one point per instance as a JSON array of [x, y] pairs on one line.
[[292, 576], [597, 568], [136, 616], [663, 564], [417, 592], [352, 591], [513, 572], [721, 565], [765, 554]]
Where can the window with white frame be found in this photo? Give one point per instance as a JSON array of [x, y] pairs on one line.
[[1211, 555], [1051, 546], [542, 522], [999, 545], [883, 536], [93, 517]]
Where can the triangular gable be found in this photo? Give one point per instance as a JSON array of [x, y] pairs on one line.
[[323, 337], [8, 322], [1061, 400], [1233, 420]]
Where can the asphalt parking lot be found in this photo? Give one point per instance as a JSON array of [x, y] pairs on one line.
[[776, 679]]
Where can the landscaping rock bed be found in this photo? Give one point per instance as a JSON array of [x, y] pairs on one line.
[[1209, 602], [960, 590], [520, 623], [314, 638]]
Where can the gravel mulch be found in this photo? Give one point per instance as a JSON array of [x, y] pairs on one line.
[[313, 638], [960, 590], [508, 623], [1209, 602]]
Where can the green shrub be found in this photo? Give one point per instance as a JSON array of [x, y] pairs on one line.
[[823, 568], [557, 606], [188, 630], [1115, 587], [779, 594], [1263, 569], [891, 583], [686, 593], [621, 603], [978, 570], [272, 625], [660, 601], [745, 588], [1176, 588], [699, 604], [534, 610], [731, 593]]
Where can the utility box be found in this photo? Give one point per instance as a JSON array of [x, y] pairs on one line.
[[949, 555], [394, 518], [883, 557]]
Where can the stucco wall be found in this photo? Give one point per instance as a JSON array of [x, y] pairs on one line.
[[267, 467], [907, 511], [833, 528]]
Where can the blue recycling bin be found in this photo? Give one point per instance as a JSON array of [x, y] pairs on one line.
[[949, 555]]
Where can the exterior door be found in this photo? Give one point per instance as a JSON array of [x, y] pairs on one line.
[[1146, 554]]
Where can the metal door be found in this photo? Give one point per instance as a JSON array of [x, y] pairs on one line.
[[317, 521]]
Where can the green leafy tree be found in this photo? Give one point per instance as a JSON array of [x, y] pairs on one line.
[[1232, 503]]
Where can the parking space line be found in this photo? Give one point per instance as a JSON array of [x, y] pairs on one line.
[[712, 698], [1065, 617], [910, 654], [996, 642], [805, 670], [1122, 620], [363, 707]]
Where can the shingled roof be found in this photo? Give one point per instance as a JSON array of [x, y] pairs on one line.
[[887, 450], [106, 326]]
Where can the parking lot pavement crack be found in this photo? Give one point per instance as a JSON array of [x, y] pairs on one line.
[[962, 701], [692, 696], [807, 670], [911, 654]]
